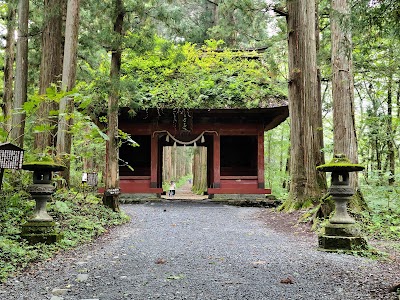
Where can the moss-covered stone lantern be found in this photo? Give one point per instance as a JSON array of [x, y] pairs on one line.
[[41, 227], [342, 232]]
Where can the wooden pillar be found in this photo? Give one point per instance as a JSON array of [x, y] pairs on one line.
[[210, 164], [260, 159], [217, 161], [154, 161], [160, 166]]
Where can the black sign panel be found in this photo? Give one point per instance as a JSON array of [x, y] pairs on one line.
[[92, 179], [11, 156]]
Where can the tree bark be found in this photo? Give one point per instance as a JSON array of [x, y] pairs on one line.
[[179, 163], [50, 70], [173, 162], [112, 168], [21, 75], [196, 163], [321, 175], [167, 164], [304, 106], [65, 121], [398, 100], [9, 57], [375, 157], [88, 162], [212, 7], [344, 131], [390, 135], [200, 170]]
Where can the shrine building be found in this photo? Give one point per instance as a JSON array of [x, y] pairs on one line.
[[234, 139]]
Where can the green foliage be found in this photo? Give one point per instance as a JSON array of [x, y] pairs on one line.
[[382, 220], [276, 147], [183, 180], [79, 217], [180, 182], [185, 76], [126, 138], [242, 23], [88, 144]]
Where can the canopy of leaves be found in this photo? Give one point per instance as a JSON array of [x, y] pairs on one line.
[[240, 23], [190, 77]]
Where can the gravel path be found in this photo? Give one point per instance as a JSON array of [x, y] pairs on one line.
[[199, 251]]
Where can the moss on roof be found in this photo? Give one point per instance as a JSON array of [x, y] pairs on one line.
[[340, 162], [42, 165]]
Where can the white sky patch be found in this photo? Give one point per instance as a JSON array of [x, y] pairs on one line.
[[373, 3]]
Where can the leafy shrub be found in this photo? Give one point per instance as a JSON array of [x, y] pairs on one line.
[[80, 218], [382, 220]]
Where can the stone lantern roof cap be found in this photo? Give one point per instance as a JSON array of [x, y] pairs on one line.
[[340, 163], [43, 165]]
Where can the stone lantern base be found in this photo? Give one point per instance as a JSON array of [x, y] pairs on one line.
[[341, 237], [40, 232]]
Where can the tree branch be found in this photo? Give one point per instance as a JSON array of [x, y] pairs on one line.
[[212, 2], [280, 11]]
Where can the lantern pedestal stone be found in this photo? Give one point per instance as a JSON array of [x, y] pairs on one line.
[[341, 237], [41, 232], [41, 227], [342, 232]]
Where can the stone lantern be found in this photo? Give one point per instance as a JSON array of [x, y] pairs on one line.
[[342, 232], [41, 227]]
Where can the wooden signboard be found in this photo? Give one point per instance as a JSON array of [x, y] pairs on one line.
[[11, 157]]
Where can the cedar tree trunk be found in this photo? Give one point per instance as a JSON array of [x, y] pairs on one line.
[[50, 70], [344, 131], [304, 106], [21, 75], [64, 138], [112, 168], [9, 57]]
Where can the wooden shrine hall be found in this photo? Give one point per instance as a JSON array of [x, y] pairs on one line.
[[234, 139]]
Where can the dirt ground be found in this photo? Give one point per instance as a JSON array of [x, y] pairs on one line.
[[287, 223]]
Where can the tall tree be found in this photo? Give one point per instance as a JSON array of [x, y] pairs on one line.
[[199, 170], [50, 70], [9, 66], [376, 69], [68, 81], [390, 143], [167, 164], [21, 75], [344, 131], [112, 173], [304, 105]]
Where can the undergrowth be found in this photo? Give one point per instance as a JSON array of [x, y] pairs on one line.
[[382, 220], [80, 217], [379, 222]]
